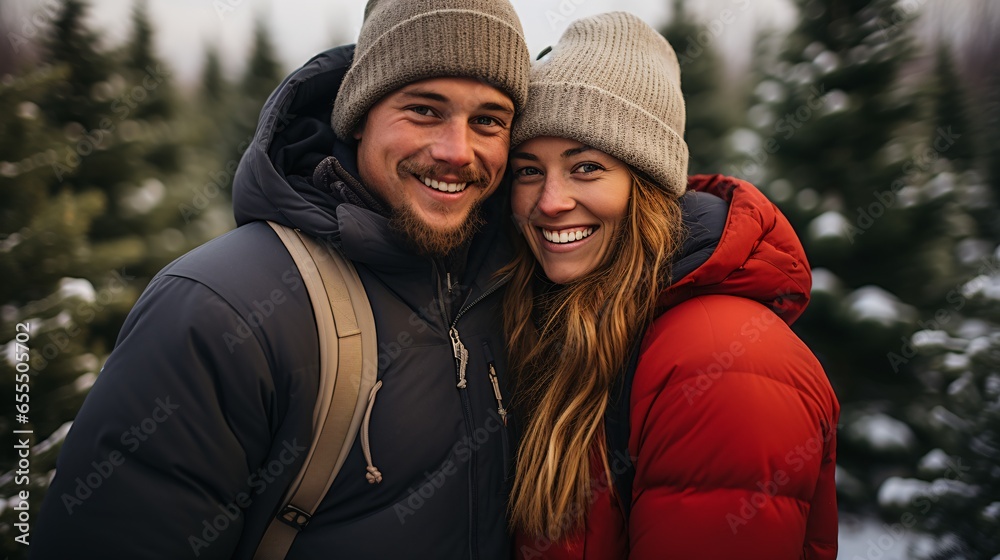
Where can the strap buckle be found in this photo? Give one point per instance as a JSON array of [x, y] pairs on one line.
[[294, 517]]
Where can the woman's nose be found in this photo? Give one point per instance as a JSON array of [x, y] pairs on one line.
[[555, 197]]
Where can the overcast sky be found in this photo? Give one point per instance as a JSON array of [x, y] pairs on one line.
[[301, 28]]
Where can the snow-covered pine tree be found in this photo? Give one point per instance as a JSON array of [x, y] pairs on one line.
[[955, 493], [44, 255], [87, 219], [837, 138]]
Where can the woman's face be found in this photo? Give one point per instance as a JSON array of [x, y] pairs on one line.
[[568, 200]]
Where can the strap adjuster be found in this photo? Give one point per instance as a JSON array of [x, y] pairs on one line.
[[294, 517]]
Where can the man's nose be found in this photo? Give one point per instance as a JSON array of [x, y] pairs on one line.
[[454, 145]]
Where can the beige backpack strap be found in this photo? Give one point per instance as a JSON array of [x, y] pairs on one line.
[[348, 346]]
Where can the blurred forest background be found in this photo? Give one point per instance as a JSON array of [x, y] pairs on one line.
[[881, 145]]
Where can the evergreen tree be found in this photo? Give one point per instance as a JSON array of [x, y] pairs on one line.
[[150, 97], [140, 46], [142, 65], [123, 146], [263, 71], [826, 113], [838, 144], [11, 46], [94, 106], [956, 495], [262, 75], [991, 134], [709, 115], [218, 129], [981, 59], [951, 108], [87, 219], [67, 291], [991, 130], [72, 44], [213, 83], [214, 128]]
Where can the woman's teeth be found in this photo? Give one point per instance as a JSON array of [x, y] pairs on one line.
[[566, 236], [442, 186]]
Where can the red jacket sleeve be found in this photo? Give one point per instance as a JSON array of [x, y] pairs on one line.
[[821, 528], [733, 426]]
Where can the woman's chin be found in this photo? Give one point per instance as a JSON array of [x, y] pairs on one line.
[[564, 274]]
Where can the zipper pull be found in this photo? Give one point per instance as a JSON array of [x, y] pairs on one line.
[[496, 392], [461, 355], [448, 280]]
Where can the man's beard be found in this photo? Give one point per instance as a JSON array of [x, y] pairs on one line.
[[426, 239], [430, 241]]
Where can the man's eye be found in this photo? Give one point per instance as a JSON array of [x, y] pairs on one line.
[[486, 121], [588, 167], [421, 110]]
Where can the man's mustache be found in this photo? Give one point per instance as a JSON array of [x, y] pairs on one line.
[[468, 174]]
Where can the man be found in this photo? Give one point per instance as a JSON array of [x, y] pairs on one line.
[[202, 415]]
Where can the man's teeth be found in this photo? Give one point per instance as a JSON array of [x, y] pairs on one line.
[[566, 236], [442, 186]]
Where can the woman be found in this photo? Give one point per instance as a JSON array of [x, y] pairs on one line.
[[730, 420]]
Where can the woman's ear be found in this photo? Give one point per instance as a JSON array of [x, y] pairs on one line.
[[360, 129]]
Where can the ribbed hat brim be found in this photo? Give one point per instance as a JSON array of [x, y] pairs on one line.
[[605, 121], [440, 43]]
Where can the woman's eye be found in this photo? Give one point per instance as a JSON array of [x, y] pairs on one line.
[[588, 167], [526, 172]]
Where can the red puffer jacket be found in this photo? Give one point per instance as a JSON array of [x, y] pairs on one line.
[[733, 421]]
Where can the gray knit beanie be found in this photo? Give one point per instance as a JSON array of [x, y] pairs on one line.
[[613, 83], [405, 41]]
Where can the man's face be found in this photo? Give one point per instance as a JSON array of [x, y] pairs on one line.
[[434, 150]]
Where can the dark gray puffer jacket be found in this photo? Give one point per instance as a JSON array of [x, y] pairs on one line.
[[202, 414]]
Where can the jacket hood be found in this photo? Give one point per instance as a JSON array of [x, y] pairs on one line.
[[757, 254], [273, 180]]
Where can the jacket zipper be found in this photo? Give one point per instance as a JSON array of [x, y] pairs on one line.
[[458, 349], [461, 355], [496, 392], [495, 382], [508, 460], [486, 294]]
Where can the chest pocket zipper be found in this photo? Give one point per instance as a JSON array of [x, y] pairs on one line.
[[495, 382], [496, 392], [501, 411]]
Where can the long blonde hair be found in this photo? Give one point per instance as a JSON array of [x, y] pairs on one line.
[[565, 367]]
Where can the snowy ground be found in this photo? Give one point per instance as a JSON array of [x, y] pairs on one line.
[[872, 539]]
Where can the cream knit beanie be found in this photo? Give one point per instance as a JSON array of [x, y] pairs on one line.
[[613, 83], [405, 41]]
